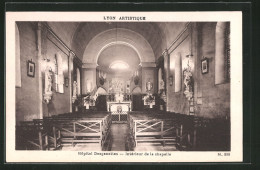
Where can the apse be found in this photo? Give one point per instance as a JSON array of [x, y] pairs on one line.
[[119, 65], [118, 57]]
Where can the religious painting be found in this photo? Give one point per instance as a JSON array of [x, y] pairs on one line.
[[204, 66], [30, 68]]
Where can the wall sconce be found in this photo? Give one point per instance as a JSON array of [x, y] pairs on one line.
[[171, 80]]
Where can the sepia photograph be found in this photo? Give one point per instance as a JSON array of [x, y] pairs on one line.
[[124, 87]]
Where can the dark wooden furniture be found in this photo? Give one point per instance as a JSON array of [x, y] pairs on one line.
[[31, 137], [83, 128]]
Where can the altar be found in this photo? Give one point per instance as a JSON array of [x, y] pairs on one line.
[[119, 106], [119, 103]]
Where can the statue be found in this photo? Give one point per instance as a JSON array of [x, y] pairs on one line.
[[188, 91], [149, 86], [74, 92], [75, 88], [48, 80], [48, 84]]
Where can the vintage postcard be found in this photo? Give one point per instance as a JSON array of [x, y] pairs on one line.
[[124, 87]]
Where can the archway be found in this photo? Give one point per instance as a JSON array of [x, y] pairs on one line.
[[118, 36]]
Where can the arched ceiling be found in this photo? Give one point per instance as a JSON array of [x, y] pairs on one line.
[[150, 32], [148, 39], [117, 37], [118, 52], [65, 30]]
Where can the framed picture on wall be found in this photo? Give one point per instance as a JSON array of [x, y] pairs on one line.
[[30, 68], [204, 66]]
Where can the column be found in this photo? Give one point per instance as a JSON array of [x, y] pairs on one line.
[[39, 56], [70, 63], [166, 68]]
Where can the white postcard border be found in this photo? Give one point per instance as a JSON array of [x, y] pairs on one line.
[[236, 153]]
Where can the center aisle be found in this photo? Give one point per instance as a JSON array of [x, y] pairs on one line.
[[118, 137]]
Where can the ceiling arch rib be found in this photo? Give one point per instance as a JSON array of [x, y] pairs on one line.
[[86, 31], [133, 39], [117, 43]]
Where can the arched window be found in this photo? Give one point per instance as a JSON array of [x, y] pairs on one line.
[[18, 82], [119, 65], [222, 54], [59, 74], [178, 73]]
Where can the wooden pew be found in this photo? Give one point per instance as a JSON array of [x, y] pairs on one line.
[[83, 128], [68, 127], [212, 134], [54, 136], [186, 133], [152, 127], [31, 137]]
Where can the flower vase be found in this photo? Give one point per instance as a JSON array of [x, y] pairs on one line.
[[151, 105]]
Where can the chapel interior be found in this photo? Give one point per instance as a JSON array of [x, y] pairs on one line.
[[122, 86]]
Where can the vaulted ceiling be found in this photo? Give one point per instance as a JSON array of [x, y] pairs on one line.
[[103, 42], [87, 31]]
